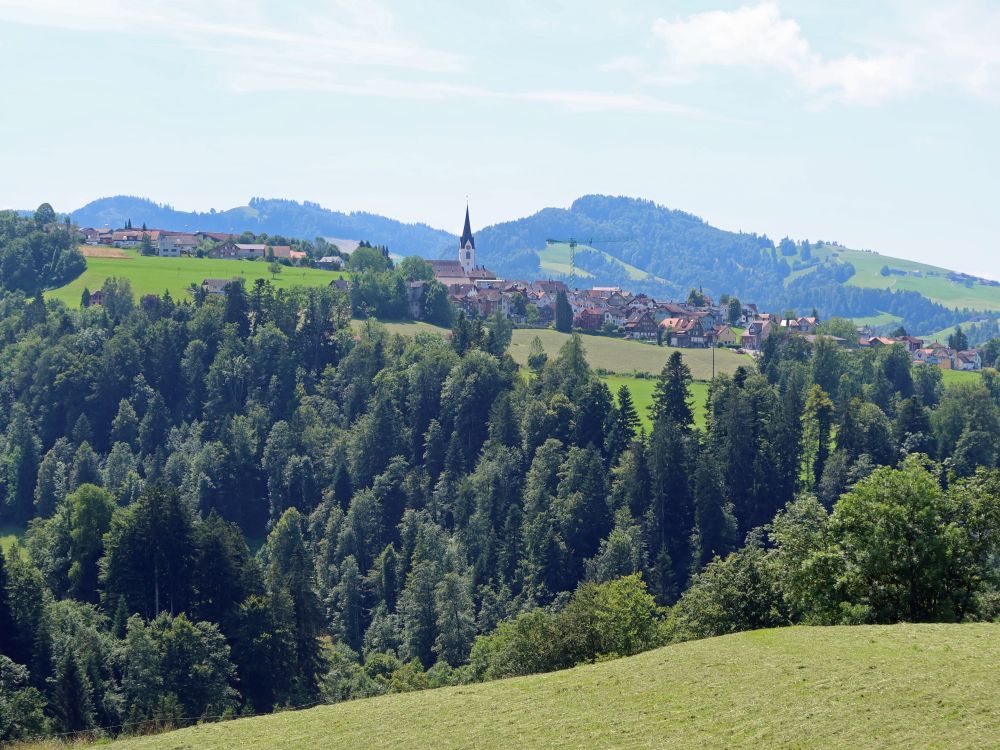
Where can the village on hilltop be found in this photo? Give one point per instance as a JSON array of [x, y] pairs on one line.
[[697, 322]]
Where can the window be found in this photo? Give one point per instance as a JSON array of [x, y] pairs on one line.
[[467, 255]]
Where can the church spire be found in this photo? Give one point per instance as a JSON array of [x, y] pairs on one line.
[[467, 246], [467, 238]]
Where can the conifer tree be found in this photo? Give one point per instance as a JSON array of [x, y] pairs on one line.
[[672, 391]]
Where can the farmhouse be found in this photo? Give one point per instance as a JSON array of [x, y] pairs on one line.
[[683, 332], [641, 325], [723, 335]]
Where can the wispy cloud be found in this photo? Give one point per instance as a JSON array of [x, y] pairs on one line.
[[348, 33], [334, 51], [931, 47]]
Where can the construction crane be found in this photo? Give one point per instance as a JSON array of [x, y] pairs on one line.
[[573, 242]]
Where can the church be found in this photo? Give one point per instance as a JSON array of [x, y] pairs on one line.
[[464, 270]]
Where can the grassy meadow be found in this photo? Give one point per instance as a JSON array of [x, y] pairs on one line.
[[153, 275], [959, 376], [626, 357], [641, 390], [898, 686]]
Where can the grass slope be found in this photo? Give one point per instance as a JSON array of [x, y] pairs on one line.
[[626, 357], [900, 686], [555, 259], [153, 275], [933, 281]]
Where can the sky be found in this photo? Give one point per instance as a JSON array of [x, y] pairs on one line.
[[873, 124]]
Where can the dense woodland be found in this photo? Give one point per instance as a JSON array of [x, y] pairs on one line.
[[242, 503]]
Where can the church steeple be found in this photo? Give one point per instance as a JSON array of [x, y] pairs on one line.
[[467, 246]]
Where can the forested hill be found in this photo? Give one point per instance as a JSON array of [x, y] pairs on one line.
[[285, 217], [678, 248]]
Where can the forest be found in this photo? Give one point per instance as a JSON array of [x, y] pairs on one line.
[[240, 503]]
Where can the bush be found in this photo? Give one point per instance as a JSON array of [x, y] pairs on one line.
[[617, 618]]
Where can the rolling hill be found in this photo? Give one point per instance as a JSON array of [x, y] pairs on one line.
[[274, 216], [900, 686]]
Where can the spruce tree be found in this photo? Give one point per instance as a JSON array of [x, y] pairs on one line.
[[715, 527], [564, 313], [71, 696], [672, 391], [8, 626]]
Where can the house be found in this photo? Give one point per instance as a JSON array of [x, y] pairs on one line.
[[284, 252], [174, 244], [342, 285], [756, 334], [641, 325], [92, 236], [227, 249], [330, 263], [548, 286], [969, 359], [589, 319], [800, 325], [936, 355], [216, 286], [683, 332], [126, 237], [96, 298], [616, 315], [723, 335]]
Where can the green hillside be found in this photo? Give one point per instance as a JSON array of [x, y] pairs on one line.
[[902, 686], [555, 259], [932, 282], [153, 275]]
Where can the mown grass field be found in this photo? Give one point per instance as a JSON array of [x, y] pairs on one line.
[[154, 275], [933, 281], [641, 390], [625, 357], [959, 376], [898, 686]]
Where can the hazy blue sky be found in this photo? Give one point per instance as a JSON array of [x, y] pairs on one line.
[[874, 124]]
